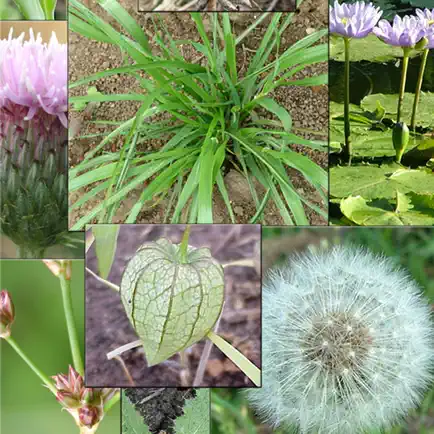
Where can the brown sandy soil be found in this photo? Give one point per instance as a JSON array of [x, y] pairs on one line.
[[308, 107], [107, 325]]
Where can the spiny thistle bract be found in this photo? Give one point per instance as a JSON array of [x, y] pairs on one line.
[[33, 143], [347, 344]]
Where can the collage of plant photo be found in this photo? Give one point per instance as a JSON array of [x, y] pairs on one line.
[[217, 216]]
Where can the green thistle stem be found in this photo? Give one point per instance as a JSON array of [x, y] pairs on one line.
[[65, 285], [418, 88], [39, 373], [347, 149], [184, 245], [25, 252], [403, 80]]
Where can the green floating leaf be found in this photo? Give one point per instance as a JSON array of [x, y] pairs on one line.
[[369, 48], [367, 142], [106, 237], [409, 210], [373, 182], [171, 304], [425, 112], [195, 419]]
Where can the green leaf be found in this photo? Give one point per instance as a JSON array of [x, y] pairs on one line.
[[31, 9], [80, 105], [390, 103], [368, 143], [48, 7], [273, 107], [409, 210], [171, 305], [132, 421], [370, 48], [195, 419], [373, 182], [106, 237]]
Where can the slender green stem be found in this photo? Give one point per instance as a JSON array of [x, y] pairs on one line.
[[65, 284], [347, 149], [403, 80], [418, 87], [111, 402], [253, 372], [39, 373], [184, 244]]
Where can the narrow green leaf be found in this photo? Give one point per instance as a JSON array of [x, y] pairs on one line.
[[106, 237]]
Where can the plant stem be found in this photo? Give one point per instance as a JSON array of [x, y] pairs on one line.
[[40, 374], [26, 252], [106, 282], [418, 88], [65, 285], [347, 149], [237, 358], [184, 245], [403, 80], [111, 402]]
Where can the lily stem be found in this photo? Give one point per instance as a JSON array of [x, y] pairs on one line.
[[418, 88], [65, 285], [347, 149], [402, 85], [34, 368]]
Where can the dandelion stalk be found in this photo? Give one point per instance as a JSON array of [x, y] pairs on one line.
[[418, 88]]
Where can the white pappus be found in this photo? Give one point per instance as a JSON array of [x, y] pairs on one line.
[[347, 343]]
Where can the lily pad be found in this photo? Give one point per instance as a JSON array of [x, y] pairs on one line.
[[425, 113], [372, 182], [413, 210], [367, 142], [370, 48]]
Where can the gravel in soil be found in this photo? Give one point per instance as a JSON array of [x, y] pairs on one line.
[[159, 408], [108, 327], [308, 107]]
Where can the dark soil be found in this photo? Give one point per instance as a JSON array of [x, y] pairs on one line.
[[107, 325], [159, 412], [308, 107]]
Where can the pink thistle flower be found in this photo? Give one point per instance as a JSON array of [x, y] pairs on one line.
[[33, 74]]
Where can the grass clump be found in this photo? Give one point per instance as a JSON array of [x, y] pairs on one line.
[[209, 116]]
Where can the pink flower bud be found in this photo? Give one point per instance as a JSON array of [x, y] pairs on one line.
[[88, 396], [68, 400], [88, 416], [7, 314]]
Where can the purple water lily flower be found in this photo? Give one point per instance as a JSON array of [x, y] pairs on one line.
[[33, 74], [353, 20], [426, 14], [404, 32]]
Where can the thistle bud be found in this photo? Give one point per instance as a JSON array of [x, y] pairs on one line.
[[7, 314], [400, 137], [89, 416], [33, 143]]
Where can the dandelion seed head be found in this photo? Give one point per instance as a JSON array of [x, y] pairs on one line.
[[347, 343]]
